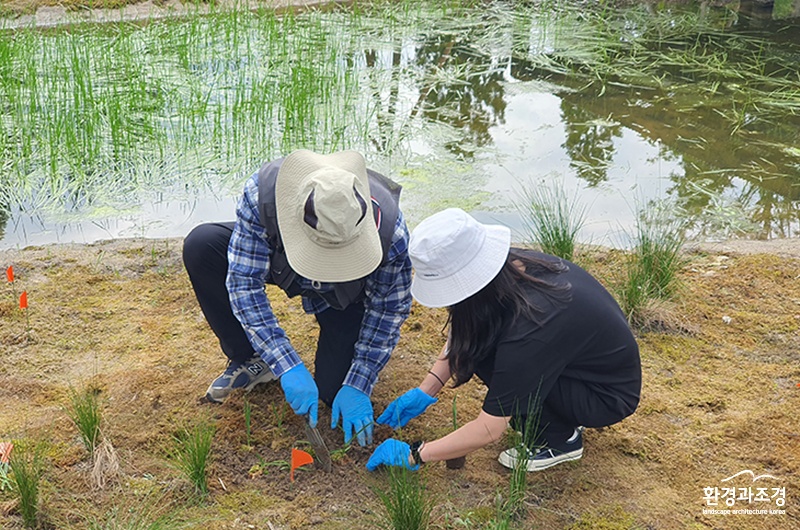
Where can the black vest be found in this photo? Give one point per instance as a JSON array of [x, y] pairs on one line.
[[385, 207]]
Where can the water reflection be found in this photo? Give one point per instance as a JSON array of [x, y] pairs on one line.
[[473, 102], [590, 141]]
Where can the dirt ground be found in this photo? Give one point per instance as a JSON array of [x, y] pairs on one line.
[[721, 395]]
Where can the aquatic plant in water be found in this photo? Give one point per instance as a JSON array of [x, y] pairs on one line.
[[187, 108]]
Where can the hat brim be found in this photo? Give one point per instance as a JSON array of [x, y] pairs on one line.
[[356, 259], [471, 278]]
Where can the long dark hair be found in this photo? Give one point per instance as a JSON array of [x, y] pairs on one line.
[[477, 323]]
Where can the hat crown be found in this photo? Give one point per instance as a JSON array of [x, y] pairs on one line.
[[445, 243], [324, 213], [454, 256], [333, 209]]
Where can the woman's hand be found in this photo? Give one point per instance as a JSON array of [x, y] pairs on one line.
[[391, 453], [406, 408]]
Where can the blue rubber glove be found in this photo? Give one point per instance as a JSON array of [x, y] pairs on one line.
[[356, 411], [301, 392], [406, 408], [391, 453]]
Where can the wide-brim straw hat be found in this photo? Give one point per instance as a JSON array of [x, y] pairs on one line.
[[325, 218], [454, 256]]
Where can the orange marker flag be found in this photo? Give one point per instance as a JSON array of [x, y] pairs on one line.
[[23, 300], [299, 458], [5, 451], [10, 274]]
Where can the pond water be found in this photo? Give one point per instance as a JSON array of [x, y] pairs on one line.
[[147, 129]]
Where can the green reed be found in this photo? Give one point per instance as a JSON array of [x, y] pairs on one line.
[[406, 500], [552, 218], [680, 50], [27, 467], [192, 453], [84, 411], [217, 94], [655, 260]]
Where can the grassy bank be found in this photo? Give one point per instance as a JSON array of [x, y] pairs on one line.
[[720, 396]]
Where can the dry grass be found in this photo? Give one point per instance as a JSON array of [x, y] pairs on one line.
[[720, 395], [105, 466]]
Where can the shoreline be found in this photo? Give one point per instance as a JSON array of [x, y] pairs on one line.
[[50, 17], [785, 247]]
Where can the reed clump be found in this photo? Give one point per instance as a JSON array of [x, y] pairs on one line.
[[27, 466], [192, 453], [552, 218], [406, 501], [84, 411], [653, 265]]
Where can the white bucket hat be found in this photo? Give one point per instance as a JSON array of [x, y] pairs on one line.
[[325, 217], [454, 256]]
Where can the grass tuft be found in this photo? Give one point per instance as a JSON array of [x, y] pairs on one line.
[[192, 453], [84, 411], [523, 441], [653, 265], [27, 466], [408, 506], [552, 219]]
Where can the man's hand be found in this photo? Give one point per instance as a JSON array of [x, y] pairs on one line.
[[405, 408], [356, 411], [391, 453], [301, 392]]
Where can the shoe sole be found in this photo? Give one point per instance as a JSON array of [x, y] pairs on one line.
[[268, 377], [533, 465]]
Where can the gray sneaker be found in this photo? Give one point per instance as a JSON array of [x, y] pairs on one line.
[[545, 457], [239, 375]]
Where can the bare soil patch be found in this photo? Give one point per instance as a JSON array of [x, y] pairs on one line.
[[720, 396]]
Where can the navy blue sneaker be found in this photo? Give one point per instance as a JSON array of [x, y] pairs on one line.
[[547, 456], [239, 375]]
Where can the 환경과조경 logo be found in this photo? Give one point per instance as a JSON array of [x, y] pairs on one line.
[[745, 493]]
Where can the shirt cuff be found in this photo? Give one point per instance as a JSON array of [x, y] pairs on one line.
[[361, 377], [282, 359]]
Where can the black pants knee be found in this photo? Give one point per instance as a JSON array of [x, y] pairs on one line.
[[205, 256], [338, 332]]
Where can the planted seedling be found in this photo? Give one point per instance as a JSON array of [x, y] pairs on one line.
[[84, 411], [192, 453], [27, 467], [455, 463], [406, 500]]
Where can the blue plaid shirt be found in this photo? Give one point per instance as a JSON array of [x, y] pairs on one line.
[[386, 305]]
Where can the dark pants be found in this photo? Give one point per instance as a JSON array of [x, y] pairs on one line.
[[571, 403], [205, 256]]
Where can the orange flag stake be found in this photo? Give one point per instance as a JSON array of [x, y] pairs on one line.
[[23, 300], [5, 451], [10, 274], [299, 458]]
